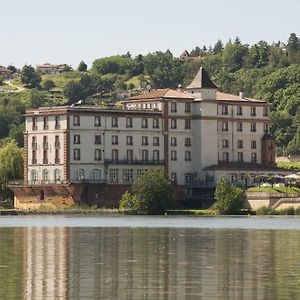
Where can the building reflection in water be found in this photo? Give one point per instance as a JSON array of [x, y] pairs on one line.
[[141, 263]]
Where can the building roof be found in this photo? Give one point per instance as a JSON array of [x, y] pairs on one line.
[[5, 70], [201, 81], [161, 94], [243, 166], [231, 97]]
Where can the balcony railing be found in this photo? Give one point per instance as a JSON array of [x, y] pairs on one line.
[[133, 162], [45, 161]]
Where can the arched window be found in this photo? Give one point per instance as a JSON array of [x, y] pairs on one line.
[[96, 175], [57, 176], [45, 176], [79, 175], [34, 176]]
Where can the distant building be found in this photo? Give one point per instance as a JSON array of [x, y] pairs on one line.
[[185, 55], [49, 69], [6, 73], [93, 155]]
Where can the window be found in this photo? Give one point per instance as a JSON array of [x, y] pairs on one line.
[[266, 128], [79, 174], [45, 176], [239, 126], [57, 176], [225, 144], [34, 160], [239, 111], [144, 123], [173, 155], [34, 123], [45, 123], [173, 107], [155, 123], [114, 140], [187, 124], [97, 121], [129, 140], [56, 142], [225, 157], [224, 110], [130, 155], [187, 155], [76, 139], [156, 141], [127, 175], [76, 121], [45, 142], [253, 127], [144, 140], [115, 154], [57, 160], [240, 144], [173, 123], [155, 155], [266, 111], [34, 176], [187, 142], [34, 143], [225, 126], [96, 175], [173, 141], [253, 157], [113, 175], [188, 178], [187, 107], [97, 154], [173, 177], [114, 121], [129, 122], [97, 139], [76, 154], [57, 124], [145, 155], [253, 144], [45, 157], [240, 156], [253, 111]]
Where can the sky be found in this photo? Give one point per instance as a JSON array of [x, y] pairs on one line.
[[68, 31]]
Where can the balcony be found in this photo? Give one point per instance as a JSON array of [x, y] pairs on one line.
[[45, 161], [133, 162], [46, 127], [34, 161]]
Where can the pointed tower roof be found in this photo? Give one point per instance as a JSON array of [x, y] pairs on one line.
[[201, 81]]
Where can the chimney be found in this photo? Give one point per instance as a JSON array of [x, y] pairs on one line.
[[241, 94]]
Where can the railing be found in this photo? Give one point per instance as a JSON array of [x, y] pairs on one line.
[[200, 184], [133, 162]]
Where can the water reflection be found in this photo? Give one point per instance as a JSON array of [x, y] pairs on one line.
[[145, 263]]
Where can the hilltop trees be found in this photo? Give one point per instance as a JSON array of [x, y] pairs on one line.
[[30, 77], [82, 66]]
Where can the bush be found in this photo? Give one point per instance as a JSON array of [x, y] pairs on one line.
[[229, 199], [152, 193], [265, 210]]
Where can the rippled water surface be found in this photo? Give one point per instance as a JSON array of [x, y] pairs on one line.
[[149, 258]]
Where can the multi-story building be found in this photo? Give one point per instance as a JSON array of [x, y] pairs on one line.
[[94, 154]]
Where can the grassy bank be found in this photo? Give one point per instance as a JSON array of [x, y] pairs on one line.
[[275, 189]]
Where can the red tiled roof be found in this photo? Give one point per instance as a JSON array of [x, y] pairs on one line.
[[231, 97]]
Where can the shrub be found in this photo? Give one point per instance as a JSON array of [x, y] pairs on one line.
[[229, 199], [265, 210]]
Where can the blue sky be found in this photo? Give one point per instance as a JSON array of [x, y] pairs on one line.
[[67, 31]]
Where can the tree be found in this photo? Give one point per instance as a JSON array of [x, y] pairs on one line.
[[293, 43], [218, 47], [73, 90], [229, 198], [12, 68], [152, 193], [82, 66], [48, 85], [1, 80], [30, 77]]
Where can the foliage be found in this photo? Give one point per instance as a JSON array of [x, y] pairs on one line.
[[229, 198], [73, 91], [30, 77], [1, 80], [48, 85], [289, 165], [152, 193], [82, 67]]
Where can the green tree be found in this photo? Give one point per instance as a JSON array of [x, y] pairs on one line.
[[229, 198], [30, 77], [48, 85], [74, 91], [12, 68], [218, 47], [234, 56], [152, 193], [82, 66], [1, 80]]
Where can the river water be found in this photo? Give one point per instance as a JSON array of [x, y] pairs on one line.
[[105, 257]]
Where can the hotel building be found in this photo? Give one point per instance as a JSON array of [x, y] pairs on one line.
[[91, 154]]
